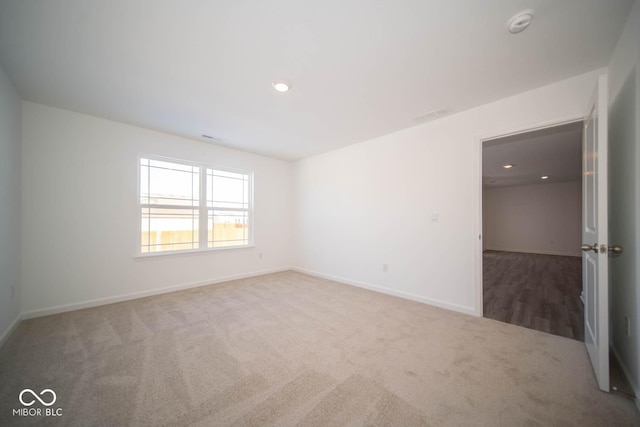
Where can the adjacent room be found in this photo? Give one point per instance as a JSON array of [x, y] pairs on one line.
[[271, 213], [532, 220]]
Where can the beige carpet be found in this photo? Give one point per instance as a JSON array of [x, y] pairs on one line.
[[290, 349]]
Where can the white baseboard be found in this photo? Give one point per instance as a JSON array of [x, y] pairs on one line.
[[6, 334], [135, 295], [527, 251], [635, 387], [401, 294]]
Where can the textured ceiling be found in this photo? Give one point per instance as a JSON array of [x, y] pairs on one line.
[[358, 68]]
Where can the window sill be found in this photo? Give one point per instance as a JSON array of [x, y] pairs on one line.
[[173, 254]]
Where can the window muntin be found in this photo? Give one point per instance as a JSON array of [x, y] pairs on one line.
[[169, 229], [228, 202], [186, 206]]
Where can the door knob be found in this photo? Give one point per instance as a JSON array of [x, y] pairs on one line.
[[587, 248], [615, 249]]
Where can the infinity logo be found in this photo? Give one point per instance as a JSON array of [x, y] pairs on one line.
[[36, 397]]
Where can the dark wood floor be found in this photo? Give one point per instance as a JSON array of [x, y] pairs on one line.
[[539, 292]]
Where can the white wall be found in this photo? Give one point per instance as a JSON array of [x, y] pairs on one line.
[[10, 111], [624, 197], [543, 218], [371, 203], [79, 216]]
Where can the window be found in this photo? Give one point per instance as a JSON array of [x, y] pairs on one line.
[[188, 206]]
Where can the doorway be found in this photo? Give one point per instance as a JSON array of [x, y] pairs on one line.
[[531, 228]]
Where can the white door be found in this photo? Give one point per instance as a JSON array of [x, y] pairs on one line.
[[595, 285]]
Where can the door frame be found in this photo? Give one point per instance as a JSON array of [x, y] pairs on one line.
[[477, 237]]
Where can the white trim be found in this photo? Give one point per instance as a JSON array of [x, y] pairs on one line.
[[406, 295], [187, 252], [531, 127], [635, 387], [135, 295], [527, 251], [477, 183], [5, 336], [477, 236]]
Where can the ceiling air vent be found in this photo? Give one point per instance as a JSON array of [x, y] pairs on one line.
[[431, 115]]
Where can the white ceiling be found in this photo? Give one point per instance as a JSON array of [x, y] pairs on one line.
[[555, 152], [358, 68]]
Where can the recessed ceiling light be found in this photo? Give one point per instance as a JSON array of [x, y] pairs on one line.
[[509, 166], [281, 86], [520, 21], [544, 177]]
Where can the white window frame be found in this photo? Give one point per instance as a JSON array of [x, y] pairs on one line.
[[203, 208]]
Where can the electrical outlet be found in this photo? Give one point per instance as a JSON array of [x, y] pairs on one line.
[[627, 326], [385, 268]]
